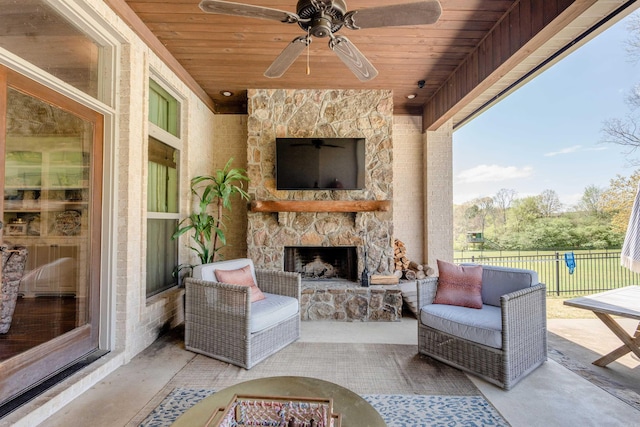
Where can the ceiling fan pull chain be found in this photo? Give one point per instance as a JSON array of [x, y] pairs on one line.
[[308, 49]]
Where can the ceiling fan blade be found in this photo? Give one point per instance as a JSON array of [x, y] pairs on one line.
[[353, 58], [282, 63], [250, 11], [420, 13]]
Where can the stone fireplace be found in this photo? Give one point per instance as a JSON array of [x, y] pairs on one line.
[[321, 113]]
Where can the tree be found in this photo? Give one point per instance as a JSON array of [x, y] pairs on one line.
[[626, 131], [592, 201], [555, 233], [483, 207], [633, 43], [502, 201], [618, 199], [549, 203], [524, 212]]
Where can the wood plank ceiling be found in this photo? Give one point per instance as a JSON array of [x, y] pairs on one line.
[[225, 53]]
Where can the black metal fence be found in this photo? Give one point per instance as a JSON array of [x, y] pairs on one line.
[[594, 271]]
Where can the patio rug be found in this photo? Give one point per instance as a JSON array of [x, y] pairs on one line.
[[366, 369], [397, 410]]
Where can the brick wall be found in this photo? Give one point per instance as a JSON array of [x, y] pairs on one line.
[[438, 180], [230, 140], [408, 188]]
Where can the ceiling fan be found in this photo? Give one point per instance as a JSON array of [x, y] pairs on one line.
[[323, 18]]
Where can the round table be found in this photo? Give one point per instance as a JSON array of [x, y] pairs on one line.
[[355, 411]]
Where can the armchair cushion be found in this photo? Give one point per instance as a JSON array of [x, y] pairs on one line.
[[482, 326], [498, 281], [207, 271], [241, 276], [459, 285], [272, 310]]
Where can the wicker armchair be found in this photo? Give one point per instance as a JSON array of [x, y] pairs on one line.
[[13, 263], [520, 337], [222, 322]]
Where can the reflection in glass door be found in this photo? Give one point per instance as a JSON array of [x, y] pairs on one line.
[[51, 150]]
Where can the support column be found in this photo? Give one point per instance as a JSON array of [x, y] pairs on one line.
[[438, 190]]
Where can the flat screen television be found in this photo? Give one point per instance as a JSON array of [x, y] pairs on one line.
[[320, 163]]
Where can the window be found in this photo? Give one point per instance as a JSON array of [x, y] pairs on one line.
[[40, 34], [163, 109], [162, 189]]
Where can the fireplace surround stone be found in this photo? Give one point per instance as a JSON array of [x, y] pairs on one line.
[[276, 113]]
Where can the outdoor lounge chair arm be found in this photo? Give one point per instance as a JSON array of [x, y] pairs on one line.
[[279, 282], [426, 291], [211, 303], [524, 314]]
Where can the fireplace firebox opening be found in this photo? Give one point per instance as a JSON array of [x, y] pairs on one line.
[[315, 262]]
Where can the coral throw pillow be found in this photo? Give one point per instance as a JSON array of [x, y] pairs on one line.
[[241, 276], [459, 285]]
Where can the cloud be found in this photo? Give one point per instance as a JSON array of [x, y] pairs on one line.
[[567, 150], [574, 149], [492, 173]]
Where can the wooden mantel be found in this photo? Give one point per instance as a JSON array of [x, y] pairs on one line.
[[320, 205]]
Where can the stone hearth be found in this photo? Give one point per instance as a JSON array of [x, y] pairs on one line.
[[347, 301]]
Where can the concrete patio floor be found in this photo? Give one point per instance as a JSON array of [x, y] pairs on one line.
[[553, 395]]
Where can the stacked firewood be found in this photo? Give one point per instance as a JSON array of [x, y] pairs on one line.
[[400, 255], [405, 268]]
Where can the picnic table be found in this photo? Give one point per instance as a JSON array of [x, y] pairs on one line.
[[622, 302]]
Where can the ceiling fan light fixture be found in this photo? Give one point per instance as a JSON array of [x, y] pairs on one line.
[[310, 10], [320, 27]]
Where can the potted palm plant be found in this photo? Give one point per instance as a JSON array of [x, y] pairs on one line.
[[215, 191]]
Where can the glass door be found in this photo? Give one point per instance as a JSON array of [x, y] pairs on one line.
[[51, 160]]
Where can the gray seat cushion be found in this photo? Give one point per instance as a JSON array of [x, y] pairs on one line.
[[498, 281], [271, 311], [207, 271], [483, 326]]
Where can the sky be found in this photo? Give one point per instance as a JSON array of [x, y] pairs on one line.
[[547, 135]]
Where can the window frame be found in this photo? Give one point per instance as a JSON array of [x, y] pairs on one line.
[[174, 141]]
